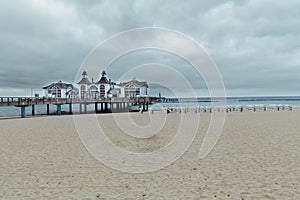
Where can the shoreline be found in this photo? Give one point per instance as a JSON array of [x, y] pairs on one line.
[[190, 109]]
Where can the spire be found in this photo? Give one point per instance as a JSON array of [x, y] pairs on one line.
[[84, 74], [103, 73]]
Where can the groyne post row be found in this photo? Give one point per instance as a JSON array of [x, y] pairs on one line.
[[223, 109], [106, 104]]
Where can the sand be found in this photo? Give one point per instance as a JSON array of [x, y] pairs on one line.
[[256, 157]]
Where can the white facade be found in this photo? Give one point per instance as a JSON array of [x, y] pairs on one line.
[[105, 88], [94, 90], [133, 88], [60, 90]]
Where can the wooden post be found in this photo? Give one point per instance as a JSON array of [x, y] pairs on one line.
[[80, 108], [102, 107]]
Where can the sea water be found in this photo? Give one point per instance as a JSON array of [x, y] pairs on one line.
[[294, 101]]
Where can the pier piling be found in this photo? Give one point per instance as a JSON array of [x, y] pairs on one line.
[[23, 112], [96, 108], [33, 110], [85, 108], [106, 107], [58, 109], [70, 109], [123, 107], [48, 109], [118, 107]]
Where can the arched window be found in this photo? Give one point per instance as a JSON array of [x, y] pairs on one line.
[[94, 91], [102, 90]]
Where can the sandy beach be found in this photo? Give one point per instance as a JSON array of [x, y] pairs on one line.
[[256, 157]]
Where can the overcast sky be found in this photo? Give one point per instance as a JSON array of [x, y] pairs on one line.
[[254, 43]]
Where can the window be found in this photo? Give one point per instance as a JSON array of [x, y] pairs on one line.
[[94, 91], [137, 91], [59, 93], [82, 91], [102, 90], [132, 91], [53, 91]]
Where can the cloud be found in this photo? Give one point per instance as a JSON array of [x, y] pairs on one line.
[[255, 44]]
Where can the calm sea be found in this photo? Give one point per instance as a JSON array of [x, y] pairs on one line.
[[294, 101]]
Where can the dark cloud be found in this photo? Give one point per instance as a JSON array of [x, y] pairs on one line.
[[256, 44]]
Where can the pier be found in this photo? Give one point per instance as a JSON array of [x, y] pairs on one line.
[[102, 105]]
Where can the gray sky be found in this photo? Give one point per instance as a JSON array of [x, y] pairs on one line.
[[254, 43]]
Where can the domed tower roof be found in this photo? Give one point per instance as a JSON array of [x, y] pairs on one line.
[[84, 79], [103, 79]]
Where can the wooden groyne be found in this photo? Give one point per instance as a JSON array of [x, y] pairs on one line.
[[102, 105]]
